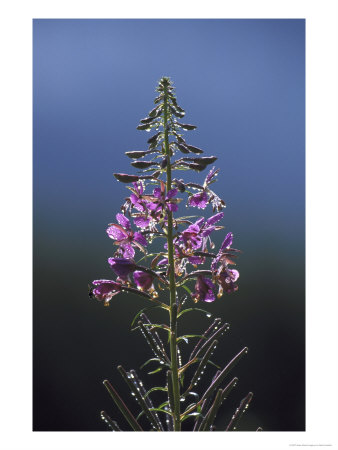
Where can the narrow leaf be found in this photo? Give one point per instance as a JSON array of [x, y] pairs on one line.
[[111, 423], [139, 397], [202, 364], [224, 372], [210, 417], [122, 407], [145, 395], [243, 406]]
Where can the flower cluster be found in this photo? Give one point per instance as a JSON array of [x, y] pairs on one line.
[[144, 216]]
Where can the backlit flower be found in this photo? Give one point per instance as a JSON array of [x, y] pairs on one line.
[[105, 290], [203, 290]]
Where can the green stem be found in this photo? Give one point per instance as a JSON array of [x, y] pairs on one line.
[[172, 287]]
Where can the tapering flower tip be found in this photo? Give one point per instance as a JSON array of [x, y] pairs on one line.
[[143, 280], [105, 290], [164, 82], [125, 178], [136, 154], [199, 200], [122, 267], [203, 290]]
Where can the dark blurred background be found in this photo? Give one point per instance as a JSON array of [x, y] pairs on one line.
[[242, 82]]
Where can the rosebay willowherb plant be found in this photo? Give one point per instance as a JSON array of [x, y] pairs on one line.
[[185, 263]]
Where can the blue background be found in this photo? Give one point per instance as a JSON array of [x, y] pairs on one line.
[[242, 82]]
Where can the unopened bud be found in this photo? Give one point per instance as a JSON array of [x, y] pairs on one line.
[[125, 178]]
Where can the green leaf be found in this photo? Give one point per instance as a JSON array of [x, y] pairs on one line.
[[223, 374], [186, 288], [161, 410], [194, 414], [134, 389], [187, 336], [157, 325], [157, 388], [148, 361], [122, 407], [203, 364], [142, 311], [155, 371], [193, 309]]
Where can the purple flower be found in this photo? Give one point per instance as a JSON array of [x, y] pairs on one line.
[[105, 290], [227, 281], [191, 237], [142, 221], [194, 237], [203, 290], [210, 177], [125, 237], [136, 197], [214, 219], [225, 253], [161, 201], [206, 195], [199, 200], [143, 280], [122, 267]]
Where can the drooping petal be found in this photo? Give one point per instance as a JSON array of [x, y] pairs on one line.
[[138, 186], [136, 202], [214, 219], [172, 206], [142, 221], [117, 232], [195, 260], [206, 231], [140, 238], [157, 193], [123, 221], [234, 274], [212, 173], [171, 193], [199, 222], [153, 206], [122, 266], [227, 241], [127, 250], [199, 200], [204, 290], [143, 280], [105, 289]]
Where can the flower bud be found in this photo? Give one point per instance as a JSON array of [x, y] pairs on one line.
[[125, 178]]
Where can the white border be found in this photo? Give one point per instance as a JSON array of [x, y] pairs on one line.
[[321, 213]]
